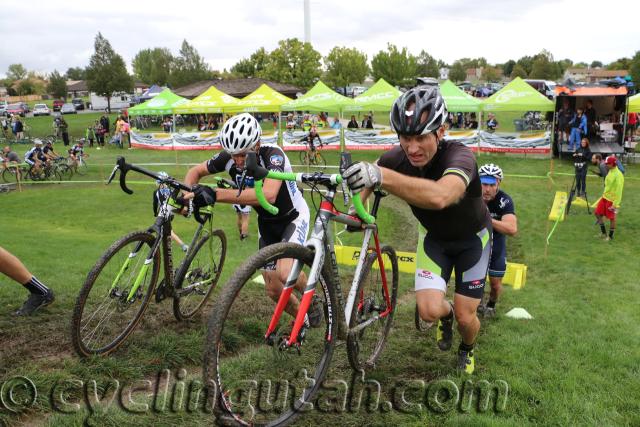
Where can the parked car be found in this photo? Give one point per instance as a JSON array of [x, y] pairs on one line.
[[16, 109], [41, 110], [68, 109], [78, 103], [358, 90], [57, 104], [3, 107]]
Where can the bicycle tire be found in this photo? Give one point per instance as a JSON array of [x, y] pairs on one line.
[[209, 268], [319, 161], [81, 168], [9, 175], [99, 274], [226, 356], [304, 158], [372, 303]]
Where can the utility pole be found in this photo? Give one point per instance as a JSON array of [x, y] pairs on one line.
[[307, 22]]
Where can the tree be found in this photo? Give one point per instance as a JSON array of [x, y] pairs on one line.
[[26, 87], [543, 66], [107, 72], [16, 72], [457, 72], [620, 64], [581, 65], [427, 65], [345, 65], [153, 66], [596, 64], [398, 67], [507, 67], [189, 67], [252, 66], [57, 85], [634, 68], [518, 71], [76, 73], [526, 62], [491, 74], [473, 63], [293, 62]]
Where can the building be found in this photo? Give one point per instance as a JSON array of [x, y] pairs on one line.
[[79, 88], [473, 74], [236, 87], [444, 73], [592, 75]]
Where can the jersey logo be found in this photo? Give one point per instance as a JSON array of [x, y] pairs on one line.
[[276, 160], [503, 202], [425, 274]]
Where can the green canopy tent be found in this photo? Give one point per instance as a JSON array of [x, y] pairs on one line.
[[210, 101], [262, 100], [518, 95], [379, 97], [457, 100], [634, 104], [163, 103], [319, 98]]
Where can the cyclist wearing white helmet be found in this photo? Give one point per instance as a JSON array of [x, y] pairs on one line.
[[35, 156], [504, 223], [240, 135], [439, 180]]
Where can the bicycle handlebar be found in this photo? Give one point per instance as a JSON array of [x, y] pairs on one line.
[[259, 173]]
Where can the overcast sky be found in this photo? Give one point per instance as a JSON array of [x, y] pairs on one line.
[[44, 35]]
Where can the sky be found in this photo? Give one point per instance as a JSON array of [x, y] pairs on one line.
[[44, 35]]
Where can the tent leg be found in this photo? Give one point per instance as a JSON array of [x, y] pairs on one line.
[[553, 133]]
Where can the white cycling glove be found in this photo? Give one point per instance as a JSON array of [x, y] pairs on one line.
[[362, 175]]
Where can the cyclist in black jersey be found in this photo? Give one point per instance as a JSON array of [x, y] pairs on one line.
[[241, 134], [310, 137], [439, 180], [49, 152]]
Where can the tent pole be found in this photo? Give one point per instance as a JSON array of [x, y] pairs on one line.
[[279, 140], [553, 132], [624, 123], [480, 121]]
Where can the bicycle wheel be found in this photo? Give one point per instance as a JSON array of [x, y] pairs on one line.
[[10, 175], [81, 167], [258, 381], [104, 315], [304, 158], [65, 171], [318, 160], [198, 274], [365, 345]]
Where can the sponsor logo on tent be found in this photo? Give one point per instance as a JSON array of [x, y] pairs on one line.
[[508, 95]]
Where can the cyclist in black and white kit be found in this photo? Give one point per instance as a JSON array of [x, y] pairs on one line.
[[439, 180], [241, 134], [35, 157]]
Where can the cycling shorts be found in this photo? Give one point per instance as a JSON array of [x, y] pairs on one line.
[[498, 263], [242, 209], [291, 228], [30, 162], [437, 259]]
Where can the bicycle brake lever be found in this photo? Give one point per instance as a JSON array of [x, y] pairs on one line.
[[122, 165]]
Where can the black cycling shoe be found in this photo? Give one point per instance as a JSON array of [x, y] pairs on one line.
[[444, 334], [316, 312], [34, 303]]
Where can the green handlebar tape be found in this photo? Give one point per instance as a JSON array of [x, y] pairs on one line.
[[263, 200], [361, 211]]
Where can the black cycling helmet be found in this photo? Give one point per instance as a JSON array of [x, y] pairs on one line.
[[427, 99]]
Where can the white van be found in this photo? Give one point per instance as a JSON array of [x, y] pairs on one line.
[[545, 87], [118, 102]]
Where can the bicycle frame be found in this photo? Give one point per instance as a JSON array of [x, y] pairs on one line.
[[322, 243]]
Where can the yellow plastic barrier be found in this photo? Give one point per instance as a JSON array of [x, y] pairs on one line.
[[559, 206], [516, 274]]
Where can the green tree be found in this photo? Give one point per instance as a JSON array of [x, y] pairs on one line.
[[398, 67], [596, 64], [620, 64], [518, 71], [76, 73], [345, 65], [634, 68], [16, 72], [581, 65], [507, 67], [293, 62], [188, 67], [57, 85], [427, 65], [457, 72], [107, 72], [526, 62], [26, 87], [491, 74], [252, 66], [153, 66], [543, 66], [473, 62], [563, 65]]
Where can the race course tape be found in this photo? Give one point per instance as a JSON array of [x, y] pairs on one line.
[[516, 274]]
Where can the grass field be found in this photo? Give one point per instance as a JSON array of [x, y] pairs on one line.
[[575, 363]]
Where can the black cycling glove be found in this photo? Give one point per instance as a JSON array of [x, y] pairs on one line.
[[203, 196]]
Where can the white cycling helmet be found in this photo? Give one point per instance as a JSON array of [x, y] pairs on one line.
[[37, 141], [489, 173], [240, 134]]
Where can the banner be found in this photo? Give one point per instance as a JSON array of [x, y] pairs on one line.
[[468, 137], [330, 139], [370, 139], [518, 142], [187, 140]]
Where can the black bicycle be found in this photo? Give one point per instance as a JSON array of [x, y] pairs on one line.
[[120, 285]]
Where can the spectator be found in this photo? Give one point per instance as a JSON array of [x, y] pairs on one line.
[[166, 124], [291, 123], [19, 129], [274, 120], [580, 159], [104, 121], [590, 114], [117, 137], [578, 128], [565, 115], [125, 130], [353, 123], [99, 134], [306, 123], [609, 203], [368, 123], [473, 122], [56, 127], [39, 295], [336, 123], [64, 131], [90, 135], [632, 123], [5, 126], [597, 160], [492, 123]]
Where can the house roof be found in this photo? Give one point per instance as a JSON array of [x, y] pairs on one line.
[[236, 87], [77, 85], [608, 73]]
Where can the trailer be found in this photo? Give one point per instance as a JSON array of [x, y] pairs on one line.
[[119, 101]]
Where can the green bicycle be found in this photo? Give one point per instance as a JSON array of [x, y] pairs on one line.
[[120, 285]]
